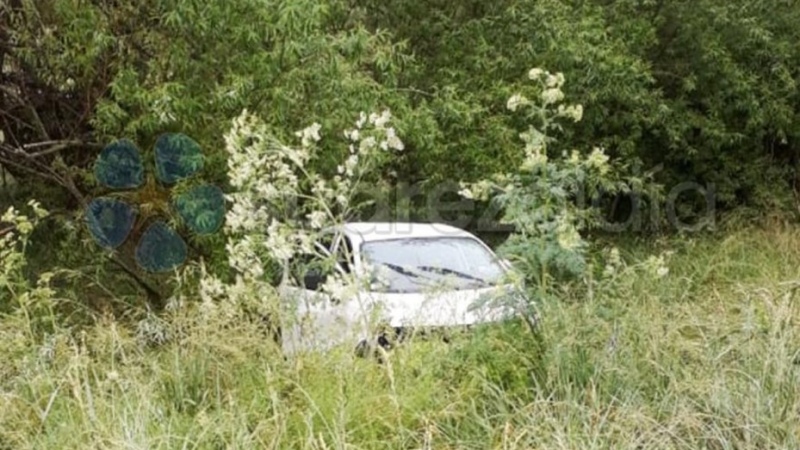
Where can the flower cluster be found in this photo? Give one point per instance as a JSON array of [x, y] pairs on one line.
[[656, 266], [15, 229], [538, 200], [278, 205]]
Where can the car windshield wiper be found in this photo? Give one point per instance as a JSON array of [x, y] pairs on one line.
[[412, 276], [452, 272], [400, 270]]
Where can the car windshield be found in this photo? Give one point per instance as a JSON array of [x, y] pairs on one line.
[[419, 264]]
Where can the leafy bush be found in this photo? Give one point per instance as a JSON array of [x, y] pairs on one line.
[[550, 200]]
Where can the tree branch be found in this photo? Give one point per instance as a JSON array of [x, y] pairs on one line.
[[54, 147]]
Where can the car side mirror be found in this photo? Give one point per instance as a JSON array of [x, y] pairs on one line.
[[313, 280]]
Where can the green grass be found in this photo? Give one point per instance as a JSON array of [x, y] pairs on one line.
[[705, 357]]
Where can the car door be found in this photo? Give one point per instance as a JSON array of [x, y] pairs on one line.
[[318, 319]]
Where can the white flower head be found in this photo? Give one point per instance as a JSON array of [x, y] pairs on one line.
[[574, 112], [350, 165], [533, 160], [310, 134], [481, 190], [657, 266], [598, 160], [37, 208], [574, 158], [381, 120], [577, 112], [516, 101], [339, 288], [210, 288], [392, 141], [555, 80], [353, 134], [362, 119], [367, 144], [567, 235], [535, 73], [466, 192], [316, 219], [552, 95]]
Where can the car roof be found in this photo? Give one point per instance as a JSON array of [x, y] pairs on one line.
[[377, 231]]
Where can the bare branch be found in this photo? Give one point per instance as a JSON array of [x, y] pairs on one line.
[[10, 162], [55, 147]]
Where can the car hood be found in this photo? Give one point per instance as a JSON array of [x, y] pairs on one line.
[[444, 308]]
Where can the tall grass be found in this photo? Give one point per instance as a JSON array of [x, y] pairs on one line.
[[704, 357]]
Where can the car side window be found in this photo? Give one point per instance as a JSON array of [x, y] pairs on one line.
[[331, 250], [310, 270]]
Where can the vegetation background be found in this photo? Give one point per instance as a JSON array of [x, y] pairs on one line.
[[663, 339]]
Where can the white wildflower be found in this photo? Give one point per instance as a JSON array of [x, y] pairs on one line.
[[656, 266], [534, 160], [575, 158], [552, 95], [567, 236], [574, 112], [267, 190], [477, 191], [367, 144], [277, 243], [10, 215], [516, 101], [316, 219], [380, 121], [342, 200], [555, 80], [362, 119], [350, 164], [309, 134], [599, 160], [334, 287], [535, 73], [466, 192], [614, 258], [613, 262], [305, 243], [393, 141], [353, 134], [24, 225], [210, 288]]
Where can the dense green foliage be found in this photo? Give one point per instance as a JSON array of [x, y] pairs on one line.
[[703, 91], [708, 90]]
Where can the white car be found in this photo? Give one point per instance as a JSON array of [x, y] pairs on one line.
[[402, 276]]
